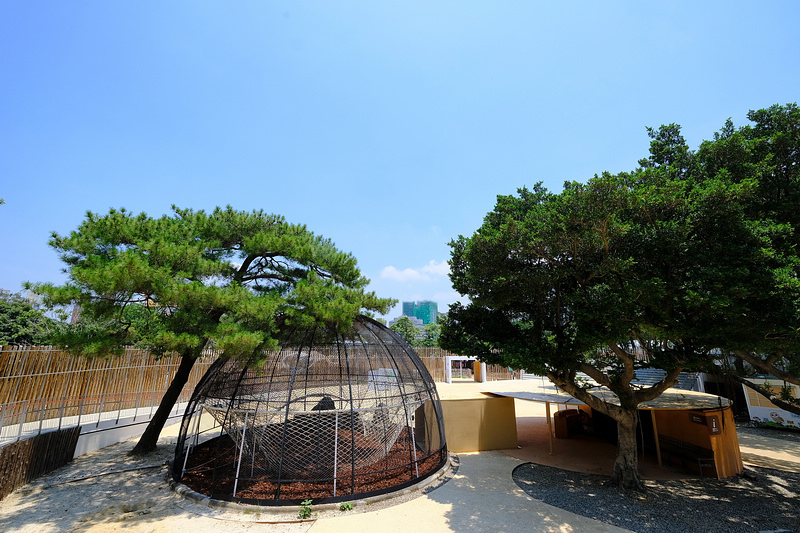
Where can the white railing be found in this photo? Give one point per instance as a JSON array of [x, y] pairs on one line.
[[44, 389]]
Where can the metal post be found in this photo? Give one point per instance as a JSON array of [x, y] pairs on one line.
[[241, 450], [86, 392], [66, 391], [22, 420], [155, 381], [336, 450], [253, 459], [414, 446], [185, 459], [138, 393], [124, 387]]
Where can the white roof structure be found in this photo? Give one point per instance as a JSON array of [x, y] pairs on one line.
[[540, 391]]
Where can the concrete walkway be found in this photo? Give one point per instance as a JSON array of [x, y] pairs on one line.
[[481, 497], [766, 452], [108, 491]]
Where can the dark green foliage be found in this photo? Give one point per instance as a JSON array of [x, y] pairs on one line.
[[179, 282], [691, 253], [430, 335], [21, 323], [427, 335], [767, 153], [406, 329]]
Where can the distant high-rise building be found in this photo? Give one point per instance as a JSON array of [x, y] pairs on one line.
[[425, 310]]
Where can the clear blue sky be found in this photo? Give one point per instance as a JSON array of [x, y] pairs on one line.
[[388, 127]]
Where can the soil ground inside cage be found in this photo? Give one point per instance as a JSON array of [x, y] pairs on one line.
[[211, 470]]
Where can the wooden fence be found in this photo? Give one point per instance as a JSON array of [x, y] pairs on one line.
[[24, 461], [434, 359], [40, 384]]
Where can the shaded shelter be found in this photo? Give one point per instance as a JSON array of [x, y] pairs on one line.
[[690, 429]]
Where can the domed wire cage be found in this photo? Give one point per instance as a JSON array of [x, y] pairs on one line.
[[328, 417]]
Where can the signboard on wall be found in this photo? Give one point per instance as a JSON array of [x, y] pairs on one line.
[[710, 421]]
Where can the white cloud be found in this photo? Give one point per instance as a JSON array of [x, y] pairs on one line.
[[437, 269], [393, 274], [429, 272]]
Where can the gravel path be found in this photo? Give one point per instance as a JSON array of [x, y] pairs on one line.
[[759, 500]]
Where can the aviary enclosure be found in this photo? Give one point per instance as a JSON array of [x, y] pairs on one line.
[[330, 417]]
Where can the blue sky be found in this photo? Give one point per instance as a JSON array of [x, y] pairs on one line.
[[388, 127]]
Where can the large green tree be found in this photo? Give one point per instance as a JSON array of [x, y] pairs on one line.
[[406, 329], [190, 280], [766, 152], [430, 335], [654, 261], [21, 323]]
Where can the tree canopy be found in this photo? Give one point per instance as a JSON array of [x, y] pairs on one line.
[[660, 267], [767, 153], [430, 335], [21, 323], [406, 329], [191, 280], [427, 335]]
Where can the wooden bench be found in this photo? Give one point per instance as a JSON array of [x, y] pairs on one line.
[[689, 456]]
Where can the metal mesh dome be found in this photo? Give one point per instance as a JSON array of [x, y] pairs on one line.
[[328, 417]]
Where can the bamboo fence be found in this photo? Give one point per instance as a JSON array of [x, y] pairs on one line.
[[42, 384], [22, 462], [434, 359], [45, 385]]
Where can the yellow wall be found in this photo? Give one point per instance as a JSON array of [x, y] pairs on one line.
[[473, 425], [678, 425], [727, 456]]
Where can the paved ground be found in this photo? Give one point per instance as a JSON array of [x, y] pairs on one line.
[[481, 497], [109, 491]]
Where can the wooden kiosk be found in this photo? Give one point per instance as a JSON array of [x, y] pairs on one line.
[[690, 430]]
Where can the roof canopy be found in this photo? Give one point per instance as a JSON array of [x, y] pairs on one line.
[[543, 391]]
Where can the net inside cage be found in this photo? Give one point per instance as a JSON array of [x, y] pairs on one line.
[[328, 417]]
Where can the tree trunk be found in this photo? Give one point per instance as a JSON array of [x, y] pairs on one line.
[[626, 470], [149, 439]]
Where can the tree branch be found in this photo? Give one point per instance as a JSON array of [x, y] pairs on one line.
[[645, 395], [767, 365], [567, 384], [792, 407], [627, 361]]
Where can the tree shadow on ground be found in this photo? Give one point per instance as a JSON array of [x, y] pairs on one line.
[[108, 490], [483, 497], [762, 499]]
